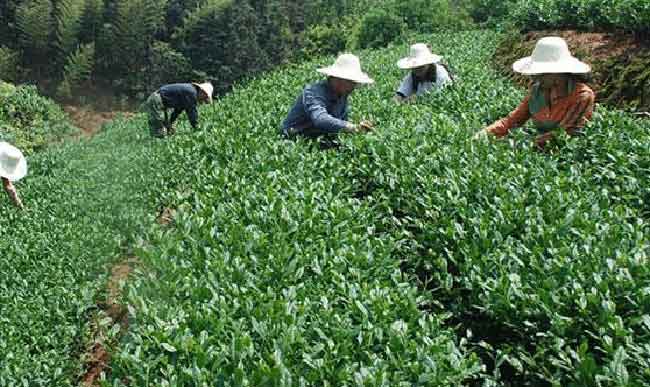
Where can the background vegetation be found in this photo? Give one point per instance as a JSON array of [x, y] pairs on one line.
[[409, 256], [29, 120], [136, 45]]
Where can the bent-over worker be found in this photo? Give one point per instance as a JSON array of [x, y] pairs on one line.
[[181, 97], [427, 73], [322, 108], [557, 98]]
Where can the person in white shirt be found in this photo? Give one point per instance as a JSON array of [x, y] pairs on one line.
[[427, 73]]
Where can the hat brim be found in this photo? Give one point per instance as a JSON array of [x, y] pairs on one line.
[[527, 66], [205, 91], [361, 78], [16, 174], [412, 63]]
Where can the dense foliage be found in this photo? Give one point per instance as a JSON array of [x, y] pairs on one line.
[[627, 15], [29, 120], [127, 41], [290, 266], [410, 256]]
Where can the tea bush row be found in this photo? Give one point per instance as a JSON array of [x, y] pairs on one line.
[[405, 254]]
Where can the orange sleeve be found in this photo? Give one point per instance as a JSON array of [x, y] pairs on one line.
[[514, 120], [581, 111]]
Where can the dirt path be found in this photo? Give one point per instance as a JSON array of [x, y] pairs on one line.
[[97, 357], [91, 121]]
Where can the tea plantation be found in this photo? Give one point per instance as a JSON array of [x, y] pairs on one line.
[[410, 256]]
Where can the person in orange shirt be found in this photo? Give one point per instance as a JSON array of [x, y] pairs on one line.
[[557, 98], [13, 167]]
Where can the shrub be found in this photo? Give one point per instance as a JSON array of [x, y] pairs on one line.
[[427, 16], [29, 120], [483, 11], [322, 40], [9, 64], [378, 28]]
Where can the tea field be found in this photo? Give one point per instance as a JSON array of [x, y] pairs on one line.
[[410, 256]]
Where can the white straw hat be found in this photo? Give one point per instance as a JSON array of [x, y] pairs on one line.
[[347, 66], [13, 165], [207, 88], [419, 56], [551, 56]]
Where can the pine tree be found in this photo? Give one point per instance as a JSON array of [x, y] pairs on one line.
[[91, 21], [8, 33], [78, 68], [34, 25], [221, 38], [125, 43], [68, 14]]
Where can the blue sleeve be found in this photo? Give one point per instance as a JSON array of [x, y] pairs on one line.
[[316, 108], [346, 112]]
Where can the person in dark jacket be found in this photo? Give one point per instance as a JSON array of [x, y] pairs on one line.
[[181, 97], [322, 108]]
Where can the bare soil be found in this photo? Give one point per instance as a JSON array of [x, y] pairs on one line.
[[91, 121], [97, 357], [165, 216]]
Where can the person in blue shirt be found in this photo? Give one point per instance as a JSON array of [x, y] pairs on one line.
[[426, 73], [181, 97], [322, 108]]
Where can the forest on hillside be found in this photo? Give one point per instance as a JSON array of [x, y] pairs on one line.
[[134, 45], [131, 46]]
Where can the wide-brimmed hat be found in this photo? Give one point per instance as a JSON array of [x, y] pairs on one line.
[[13, 165], [207, 88], [551, 56], [419, 55], [347, 66]]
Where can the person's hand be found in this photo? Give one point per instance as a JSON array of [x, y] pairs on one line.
[[481, 135], [351, 128], [540, 141], [366, 125], [171, 130]]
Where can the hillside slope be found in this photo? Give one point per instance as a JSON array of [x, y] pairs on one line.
[[88, 203], [411, 256], [291, 266]]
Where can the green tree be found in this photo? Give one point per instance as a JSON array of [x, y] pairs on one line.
[[33, 22], [78, 68], [91, 21], [220, 38], [68, 15], [125, 43], [8, 33], [379, 28]]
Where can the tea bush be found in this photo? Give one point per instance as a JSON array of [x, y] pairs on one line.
[[292, 266], [29, 120], [87, 204], [628, 15], [410, 256]]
